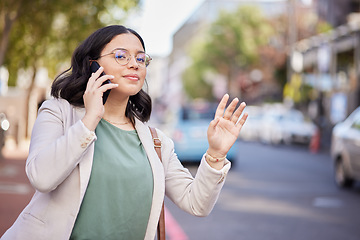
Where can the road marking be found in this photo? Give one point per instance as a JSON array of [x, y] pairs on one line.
[[8, 171], [173, 229], [327, 202], [14, 188]]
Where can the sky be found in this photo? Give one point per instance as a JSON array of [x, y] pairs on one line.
[[158, 20]]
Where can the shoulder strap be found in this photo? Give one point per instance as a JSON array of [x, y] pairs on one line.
[[161, 226], [157, 142]]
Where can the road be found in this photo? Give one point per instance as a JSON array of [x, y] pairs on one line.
[[271, 193], [15, 189], [277, 193]]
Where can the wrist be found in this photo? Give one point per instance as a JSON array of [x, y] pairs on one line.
[[90, 122], [215, 153], [213, 157]]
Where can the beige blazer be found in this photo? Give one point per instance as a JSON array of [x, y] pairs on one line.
[[59, 167]]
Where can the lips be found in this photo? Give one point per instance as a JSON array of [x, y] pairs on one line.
[[132, 77]]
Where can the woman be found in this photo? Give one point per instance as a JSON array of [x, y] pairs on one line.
[[93, 165]]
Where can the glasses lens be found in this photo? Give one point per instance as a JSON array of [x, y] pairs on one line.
[[143, 59], [122, 56], [148, 59]]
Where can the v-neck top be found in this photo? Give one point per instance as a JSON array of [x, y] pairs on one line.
[[118, 198]]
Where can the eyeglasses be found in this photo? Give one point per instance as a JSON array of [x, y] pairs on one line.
[[122, 57]]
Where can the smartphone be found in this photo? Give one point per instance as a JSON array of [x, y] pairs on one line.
[[94, 67]]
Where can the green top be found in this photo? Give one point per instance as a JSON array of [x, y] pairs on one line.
[[118, 198]]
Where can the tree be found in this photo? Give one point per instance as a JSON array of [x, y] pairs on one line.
[[44, 33], [232, 45], [244, 40]]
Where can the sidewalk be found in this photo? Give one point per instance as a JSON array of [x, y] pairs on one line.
[[15, 189]]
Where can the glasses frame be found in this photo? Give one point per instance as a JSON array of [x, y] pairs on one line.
[[128, 59]]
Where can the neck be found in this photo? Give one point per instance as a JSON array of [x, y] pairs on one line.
[[115, 110]]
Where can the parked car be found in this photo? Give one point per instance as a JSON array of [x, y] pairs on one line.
[[252, 128], [286, 126], [190, 133], [345, 150]]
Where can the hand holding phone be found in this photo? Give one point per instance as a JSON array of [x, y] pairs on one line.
[[94, 66]]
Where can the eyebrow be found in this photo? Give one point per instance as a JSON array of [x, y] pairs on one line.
[[139, 51]]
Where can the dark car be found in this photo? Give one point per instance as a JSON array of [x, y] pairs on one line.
[[345, 150]]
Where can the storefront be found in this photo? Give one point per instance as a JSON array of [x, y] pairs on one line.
[[330, 63]]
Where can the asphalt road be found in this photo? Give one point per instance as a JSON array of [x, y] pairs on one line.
[[277, 193], [15, 190]]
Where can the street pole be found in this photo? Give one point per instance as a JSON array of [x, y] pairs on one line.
[[292, 36]]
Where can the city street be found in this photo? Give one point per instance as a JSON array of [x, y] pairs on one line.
[[15, 189], [271, 193], [278, 193], [295, 64]]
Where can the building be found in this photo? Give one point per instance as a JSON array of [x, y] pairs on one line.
[[331, 64], [336, 11]]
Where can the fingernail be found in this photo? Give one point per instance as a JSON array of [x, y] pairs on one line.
[[112, 76]]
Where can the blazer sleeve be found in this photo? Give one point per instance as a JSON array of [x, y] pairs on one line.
[[195, 195], [58, 142]]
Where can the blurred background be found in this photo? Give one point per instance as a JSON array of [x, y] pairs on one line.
[[293, 55], [296, 63]]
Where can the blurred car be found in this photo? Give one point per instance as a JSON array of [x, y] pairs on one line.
[[345, 150], [252, 128], [286, 126], [190, 133]]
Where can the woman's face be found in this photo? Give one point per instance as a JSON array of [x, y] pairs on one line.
[[131, 76]]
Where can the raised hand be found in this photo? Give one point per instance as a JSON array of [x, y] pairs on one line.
[[224, 130]]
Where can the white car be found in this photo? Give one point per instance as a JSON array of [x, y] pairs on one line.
[[345, 150], [286, 126], [252, 128]]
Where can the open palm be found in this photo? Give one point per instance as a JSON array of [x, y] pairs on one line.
[[224, 130]]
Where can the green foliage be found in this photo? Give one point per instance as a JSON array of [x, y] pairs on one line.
[[297, 90], [195, 85], [323, 27], [194, 81], [231, 44], [46, 32], [280, 75], [235, 38]]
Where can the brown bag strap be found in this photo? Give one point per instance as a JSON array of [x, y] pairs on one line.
[[161, 225], [157, 142]]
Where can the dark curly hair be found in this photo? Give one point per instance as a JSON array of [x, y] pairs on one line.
[[71, 83]]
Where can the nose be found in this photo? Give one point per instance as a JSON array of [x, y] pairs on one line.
[[132, 62]]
